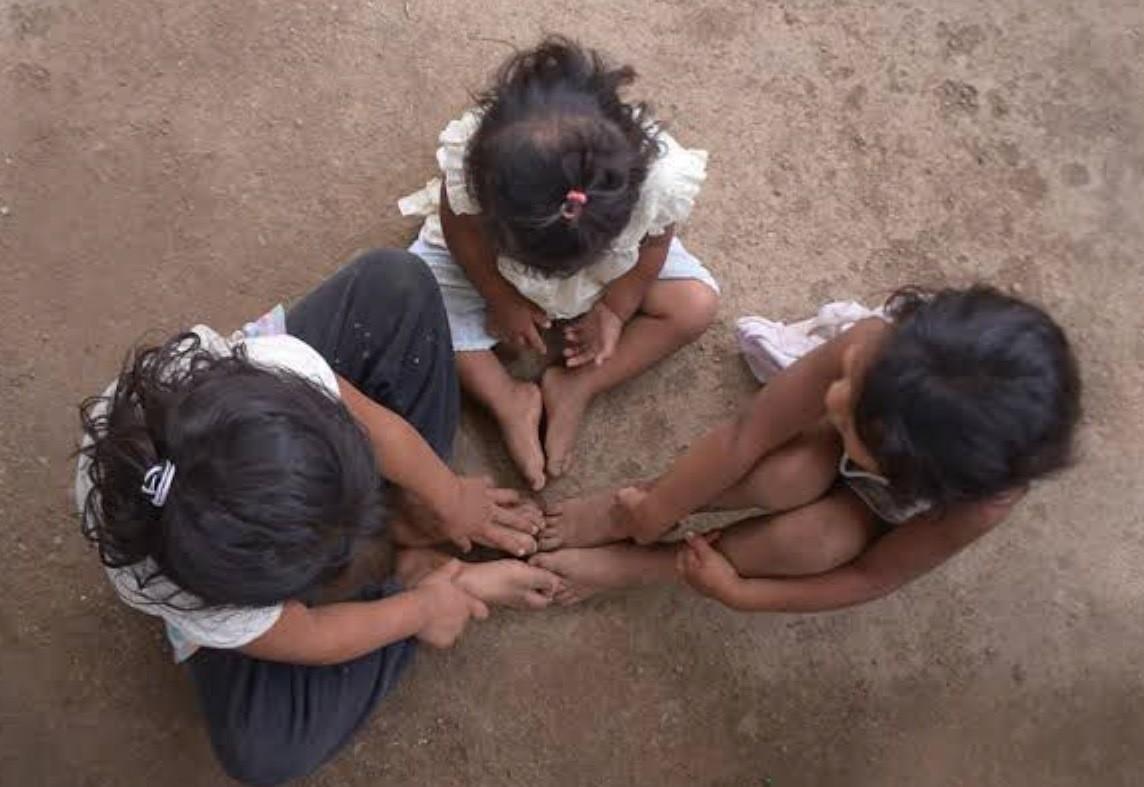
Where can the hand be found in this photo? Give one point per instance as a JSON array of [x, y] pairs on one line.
[[514, 319], [706, 569], [448, 608], [593, 337], [489, 515]]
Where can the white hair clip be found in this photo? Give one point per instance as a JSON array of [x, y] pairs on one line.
[[157, 482]]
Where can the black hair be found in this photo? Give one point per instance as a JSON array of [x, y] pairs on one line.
[[274, 480], [552, 124], [975, 393]]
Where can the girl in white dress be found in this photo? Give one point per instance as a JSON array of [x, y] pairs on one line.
[[558, 206]]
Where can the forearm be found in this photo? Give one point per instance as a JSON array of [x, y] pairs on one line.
[[471, 249], [708, 467], [625, 294], [339, 632], [403, 456]]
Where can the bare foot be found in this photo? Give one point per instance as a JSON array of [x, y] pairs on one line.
[[564, 404], [586, 572], [585, 521], [519, 419], [510, 583]]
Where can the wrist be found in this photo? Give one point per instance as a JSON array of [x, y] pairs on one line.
[[423, 604]]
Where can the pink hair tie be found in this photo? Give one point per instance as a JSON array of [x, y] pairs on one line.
[[574, 202]]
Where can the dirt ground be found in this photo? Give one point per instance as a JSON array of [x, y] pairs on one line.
[[176, 162]]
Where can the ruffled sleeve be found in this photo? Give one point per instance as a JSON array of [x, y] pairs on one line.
[[454, 142], [673, 184]]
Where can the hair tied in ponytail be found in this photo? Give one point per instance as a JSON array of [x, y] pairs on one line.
[[157, 482], [574, 202]]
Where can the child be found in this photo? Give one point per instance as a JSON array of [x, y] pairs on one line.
[[875, 458], [228, 483], [560, 203]]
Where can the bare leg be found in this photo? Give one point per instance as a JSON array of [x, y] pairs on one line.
[[818, 537], [586, 572], [795, 474], [516, 404], [673, 314], [505, 583]]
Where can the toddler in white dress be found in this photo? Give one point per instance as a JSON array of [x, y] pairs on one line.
[[558, 201]]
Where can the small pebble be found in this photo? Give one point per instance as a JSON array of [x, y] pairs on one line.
[[4, 210]]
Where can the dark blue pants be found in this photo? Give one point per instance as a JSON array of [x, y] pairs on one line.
[[380, 323]]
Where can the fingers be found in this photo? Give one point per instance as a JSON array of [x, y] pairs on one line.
[[503, 496], [700, 546], [533, 340], [507, 540], [536, 600], [463, 543], [578, 357], [517, 519], [450, 570], [539, 316]]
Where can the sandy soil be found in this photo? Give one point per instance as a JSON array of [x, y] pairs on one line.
[[175, 162]]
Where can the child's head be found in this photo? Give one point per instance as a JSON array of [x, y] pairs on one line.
[[273, 479], [558, 159], [974, 393]]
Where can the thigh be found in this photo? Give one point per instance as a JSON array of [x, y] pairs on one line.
[[465, 308], [683, 265], [812, 539], [380, 323], [271, 722]]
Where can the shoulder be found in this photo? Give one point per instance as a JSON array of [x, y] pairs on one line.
[[294, 355], [673, 182], [459, 130], [141, 587], [453, 148]]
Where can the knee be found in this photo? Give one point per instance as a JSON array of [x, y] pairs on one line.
[[793, 478], [396, 275], [247, 759], [695, 309], [832, 542]]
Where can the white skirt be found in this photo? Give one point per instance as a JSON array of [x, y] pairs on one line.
[[466, 307]]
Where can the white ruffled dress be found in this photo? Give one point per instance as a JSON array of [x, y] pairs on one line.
[[666, 198]]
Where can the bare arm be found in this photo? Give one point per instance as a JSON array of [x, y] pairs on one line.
[[436, 611], [469, 509], [902, 555], [471, 248], [511, 317], [625, 294], [786, 406], [402, 454], [339, 632]]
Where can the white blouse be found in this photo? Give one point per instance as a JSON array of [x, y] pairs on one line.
[[190, 624], [666, 197]]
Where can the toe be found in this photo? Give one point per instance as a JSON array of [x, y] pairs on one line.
[[548, 541], [542, 560]]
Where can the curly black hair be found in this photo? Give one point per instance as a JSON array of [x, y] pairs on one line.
[[975, 393], [553, 123], [274, 480]]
